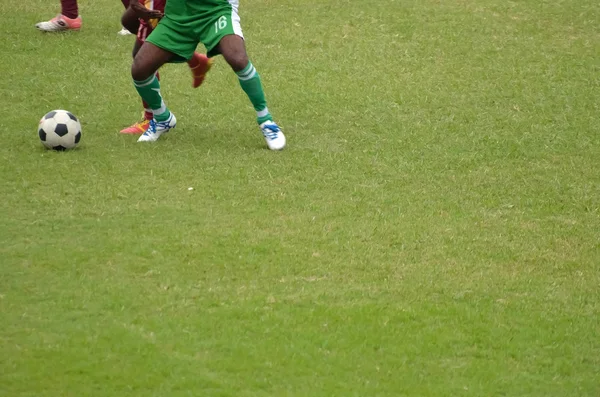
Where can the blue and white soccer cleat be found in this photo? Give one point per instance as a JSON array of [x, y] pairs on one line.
[[157, 128], [273, 135]]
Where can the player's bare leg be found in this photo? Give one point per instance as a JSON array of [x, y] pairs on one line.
[[233, 49], [146, 63]]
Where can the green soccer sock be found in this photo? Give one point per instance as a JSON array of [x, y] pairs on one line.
[[250, 82], [149, 90]]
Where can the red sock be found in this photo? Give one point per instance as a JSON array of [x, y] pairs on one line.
[[69, 8], [148, 115]]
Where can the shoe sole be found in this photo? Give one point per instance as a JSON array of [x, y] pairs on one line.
[[132, 132], [162, 133], [59, 30]]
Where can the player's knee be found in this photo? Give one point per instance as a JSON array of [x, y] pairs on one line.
[[238, 61], [233, 50], [138, 72]]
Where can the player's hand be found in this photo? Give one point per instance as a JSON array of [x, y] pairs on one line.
[[144, 13]]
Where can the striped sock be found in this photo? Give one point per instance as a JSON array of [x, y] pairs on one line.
[[252, 86], [149, 90]]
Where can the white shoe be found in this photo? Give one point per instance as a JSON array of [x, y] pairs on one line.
[[60, 23], [273, 135], [157, 128], [124, 32]]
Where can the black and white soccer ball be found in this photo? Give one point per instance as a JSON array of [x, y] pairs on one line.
[[59, 130]]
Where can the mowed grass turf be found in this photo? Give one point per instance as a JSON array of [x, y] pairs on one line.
[[432, 228]]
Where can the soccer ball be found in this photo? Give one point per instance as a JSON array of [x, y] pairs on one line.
[[59, 130]]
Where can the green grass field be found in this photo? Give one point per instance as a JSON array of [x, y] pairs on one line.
[[432, 228]]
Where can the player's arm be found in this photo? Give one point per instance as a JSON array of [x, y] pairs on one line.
[[142, 12]]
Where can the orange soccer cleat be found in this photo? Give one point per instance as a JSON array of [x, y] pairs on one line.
[[200, 64], [138, 128]]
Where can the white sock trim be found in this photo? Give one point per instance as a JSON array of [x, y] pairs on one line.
[[247, 76], [144, 83], [263, 113], [160, 110]]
